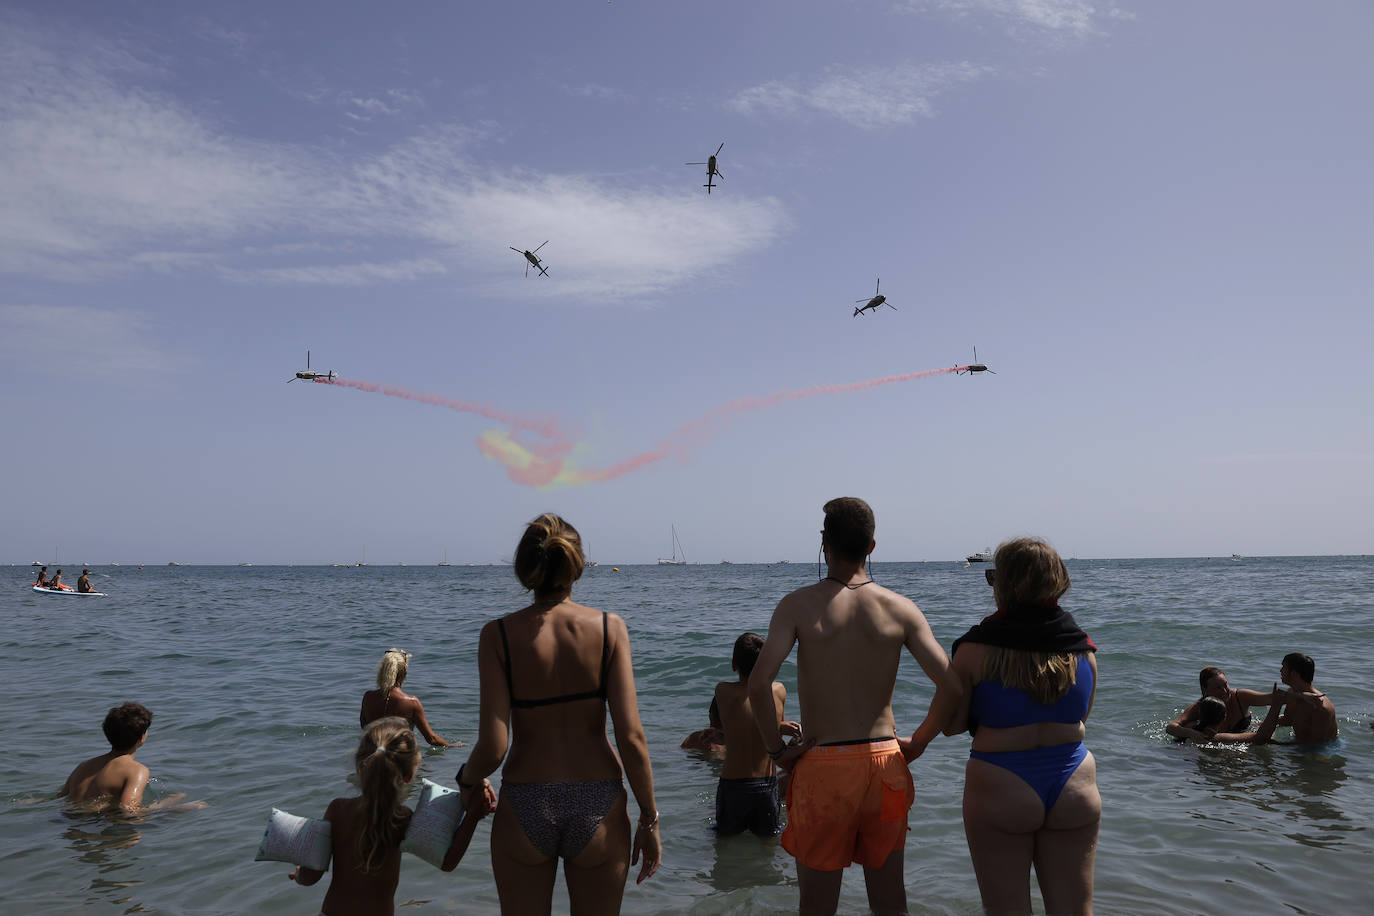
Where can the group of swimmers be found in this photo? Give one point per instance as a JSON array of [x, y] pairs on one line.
[[1021, 682], [1222, 713], [83, 584]]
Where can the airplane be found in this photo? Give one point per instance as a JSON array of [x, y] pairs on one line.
[[530, 257], [877, 302], [711, 169], [309, 375], [972, 367]]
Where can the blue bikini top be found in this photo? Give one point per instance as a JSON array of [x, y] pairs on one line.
[[998, 706]]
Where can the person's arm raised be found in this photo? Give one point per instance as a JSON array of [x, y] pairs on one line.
[[634, 750]]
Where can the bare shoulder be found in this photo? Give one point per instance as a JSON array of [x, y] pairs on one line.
[[900, 606]]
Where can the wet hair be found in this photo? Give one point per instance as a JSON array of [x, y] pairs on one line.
[[392, 670], [713, 714], [85, 572], [386, 759], [1029, 571], [124, 725], [747, 649], [1205, 675], [549, 556], [848, 528], [1210, 712], [1301, 665]]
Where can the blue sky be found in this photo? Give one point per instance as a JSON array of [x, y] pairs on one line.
[[1152, 219]]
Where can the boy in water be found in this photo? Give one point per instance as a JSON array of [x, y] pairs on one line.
[[747, 794], [1312, 717], [115, 775]]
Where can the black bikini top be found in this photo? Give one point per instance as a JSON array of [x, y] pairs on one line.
[[598, 694]]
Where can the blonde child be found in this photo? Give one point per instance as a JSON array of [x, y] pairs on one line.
[[367, 830]]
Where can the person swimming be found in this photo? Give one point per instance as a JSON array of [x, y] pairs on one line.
[[390, 700]]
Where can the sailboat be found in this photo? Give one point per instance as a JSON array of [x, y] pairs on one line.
[[677, 548], [444, 561]]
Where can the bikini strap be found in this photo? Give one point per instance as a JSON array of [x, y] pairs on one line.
[[505, 647]]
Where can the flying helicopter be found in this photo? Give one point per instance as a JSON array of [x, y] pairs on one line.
[[877, 302], [972, 367], [532, 259], [711, 169], [310, 375]]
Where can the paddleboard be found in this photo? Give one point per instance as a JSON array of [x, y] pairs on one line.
[[63, 591]]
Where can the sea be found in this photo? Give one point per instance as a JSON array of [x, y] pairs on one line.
[[255, 675]]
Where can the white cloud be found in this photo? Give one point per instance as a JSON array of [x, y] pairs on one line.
[[76, 340], [101, 177], [1073, 18], [870, 98]]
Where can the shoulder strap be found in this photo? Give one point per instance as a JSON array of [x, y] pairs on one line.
[[605, 656], [505, 648]]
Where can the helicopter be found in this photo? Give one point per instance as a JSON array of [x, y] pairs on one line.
[[972, 367], [877, 302], [711, 169], [310, 375], [530, 257]]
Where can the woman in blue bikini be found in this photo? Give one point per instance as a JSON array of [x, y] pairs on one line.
[[548, 674], [1030, 786]]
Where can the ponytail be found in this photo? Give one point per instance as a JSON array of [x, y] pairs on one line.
[[387, 757]]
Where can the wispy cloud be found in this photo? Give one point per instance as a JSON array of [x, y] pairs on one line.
[[101, 175], [870, 98], [83, 341], [592, 91], [1072, 18]]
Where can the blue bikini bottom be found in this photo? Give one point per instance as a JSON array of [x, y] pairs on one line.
[[1045, 769]]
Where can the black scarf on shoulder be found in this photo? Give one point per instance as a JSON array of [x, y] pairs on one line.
[[1031, 628]]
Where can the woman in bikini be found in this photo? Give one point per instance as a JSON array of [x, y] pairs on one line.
[[1214, 683], [548, 674], [1030, 786], [390, 700]]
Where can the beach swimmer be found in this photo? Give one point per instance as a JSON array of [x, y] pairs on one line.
[[747, 793], [83, 584], [1309, 711], [42, 580], [710, 739], [1212, 713], [366, 830], [1214, 683], [850, 788], [390, 700], [549, 673], [1029, 674], [115, 775]]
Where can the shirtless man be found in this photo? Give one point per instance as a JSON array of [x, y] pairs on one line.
[[747, 794], [42, 581], [1309, 712], [84, 583], [116, 775], [850, 788]]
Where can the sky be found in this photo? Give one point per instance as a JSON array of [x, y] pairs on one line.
[[1152, 220]]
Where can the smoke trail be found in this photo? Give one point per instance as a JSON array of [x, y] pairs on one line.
[[546, 427], [547, 465]]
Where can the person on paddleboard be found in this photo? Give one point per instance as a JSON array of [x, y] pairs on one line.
[[84, 583], [57, 581], [42, 578]]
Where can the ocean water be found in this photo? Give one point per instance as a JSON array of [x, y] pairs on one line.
[[255, 676]]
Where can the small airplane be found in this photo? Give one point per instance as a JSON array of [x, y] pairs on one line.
[[972, 367], [711, 170], [309, 375], [532, 259], [877, 302]]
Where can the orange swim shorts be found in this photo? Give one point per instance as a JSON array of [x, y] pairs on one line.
[[848, 803]]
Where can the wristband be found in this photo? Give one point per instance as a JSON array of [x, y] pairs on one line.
[[649, 825], [774, 755]]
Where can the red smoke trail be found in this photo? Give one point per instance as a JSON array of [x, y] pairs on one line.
[[548, 427]]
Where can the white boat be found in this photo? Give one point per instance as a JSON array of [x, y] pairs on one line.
[[677, 547], [982, 556], [68, 591]]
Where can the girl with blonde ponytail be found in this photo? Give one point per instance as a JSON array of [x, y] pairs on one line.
[[390, 700], [367, 831]]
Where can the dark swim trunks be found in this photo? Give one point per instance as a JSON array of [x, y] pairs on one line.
[[748, 804]]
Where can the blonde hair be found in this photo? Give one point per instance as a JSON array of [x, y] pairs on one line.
[[392, 670], [549, 556], [1030, 571], [386, 759], [1045, 676]]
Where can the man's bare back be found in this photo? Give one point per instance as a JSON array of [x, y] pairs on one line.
[[115, 775], [745, 755], [1312, 717]]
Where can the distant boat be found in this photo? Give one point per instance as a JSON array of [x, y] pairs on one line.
[[174, 563], [586, 562], [245, 564], [726, 563], [677, 546], [1236, 556], [982, 556], [444, 561]]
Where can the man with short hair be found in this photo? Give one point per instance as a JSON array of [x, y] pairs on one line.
[[850, 788], [84, 583], [1312, 716], [115, 774]]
